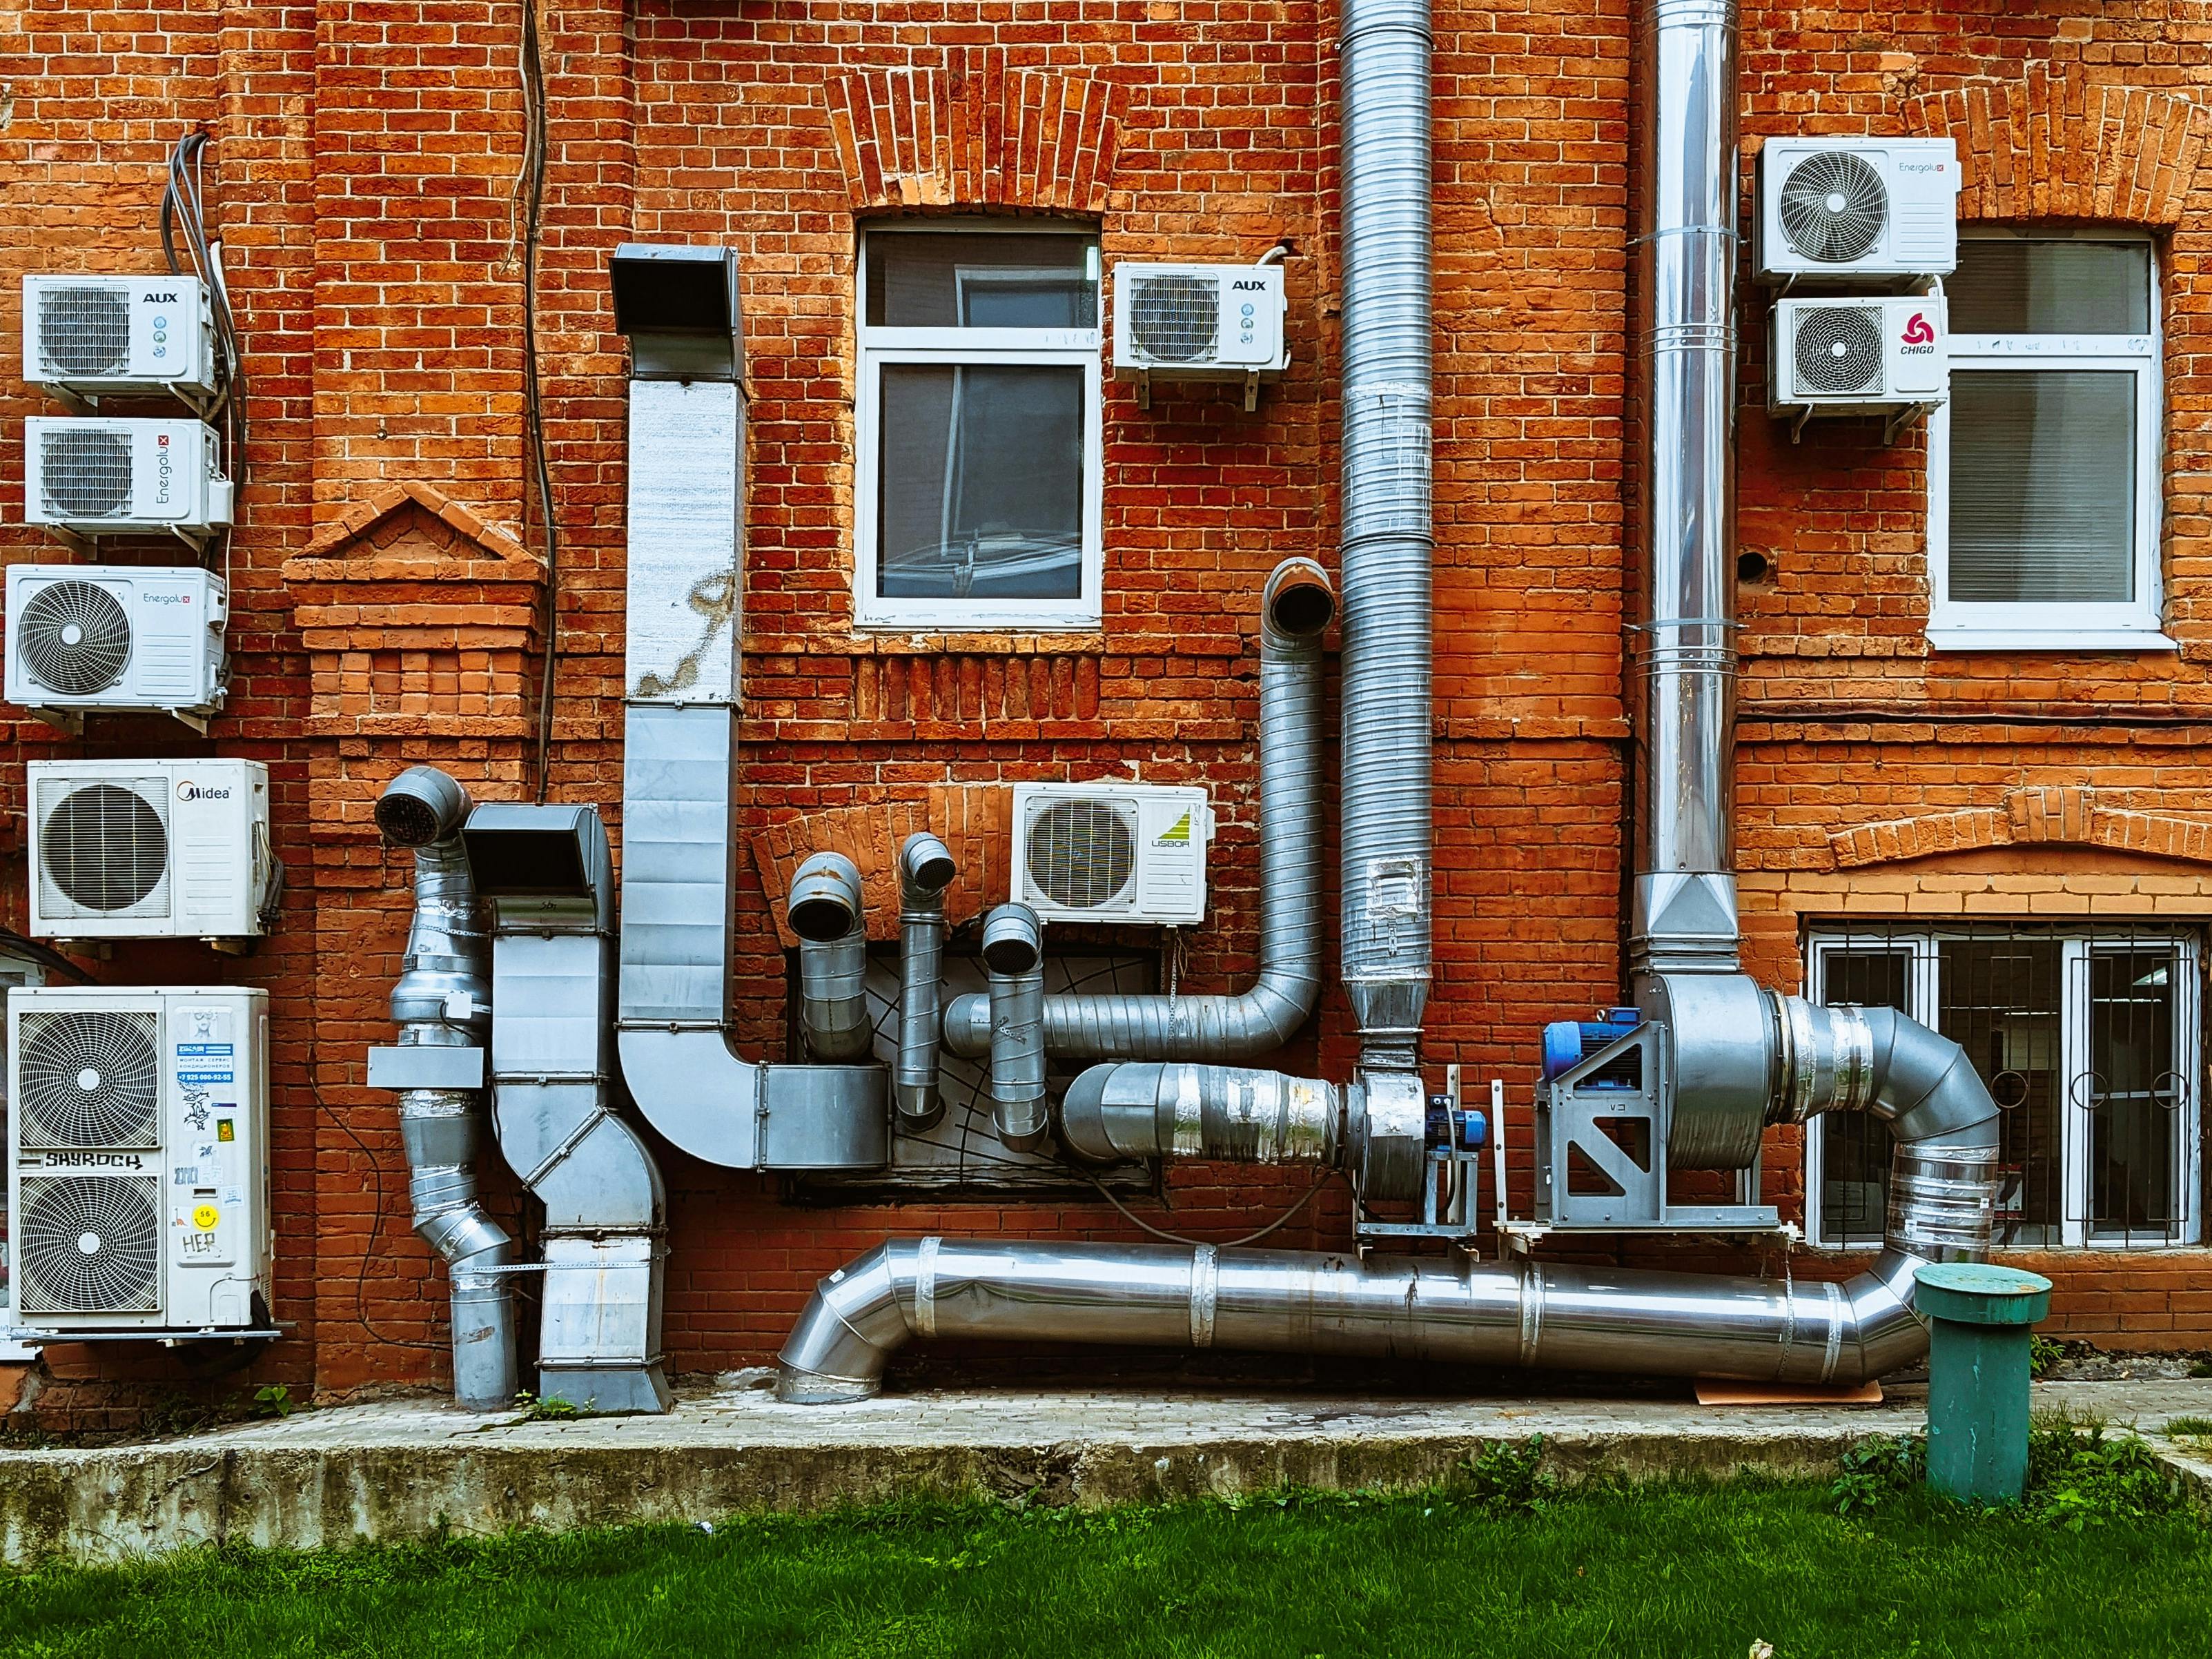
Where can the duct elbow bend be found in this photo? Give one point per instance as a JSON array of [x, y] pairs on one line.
[[825, 910], [856, 1319], [1296, 606], [422, 806]]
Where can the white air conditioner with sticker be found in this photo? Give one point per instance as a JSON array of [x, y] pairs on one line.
[[1198, 322], [1112, 852], [84, 639], [150, 849], [92, 476], [138, 1162], [1857, 211], [119, 336], [1856, 356]]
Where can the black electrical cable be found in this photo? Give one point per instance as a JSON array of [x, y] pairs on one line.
[[376, 1226], [1282, 1220], [531, 185]]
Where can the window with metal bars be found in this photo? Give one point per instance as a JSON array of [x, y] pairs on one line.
[[2089, 1038]]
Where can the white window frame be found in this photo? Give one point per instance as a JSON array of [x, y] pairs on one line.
[[1923, 993], [2136, 625], [1078, 347]]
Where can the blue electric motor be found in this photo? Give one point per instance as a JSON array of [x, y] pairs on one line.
[[1473, 1128], [1568, 1042]]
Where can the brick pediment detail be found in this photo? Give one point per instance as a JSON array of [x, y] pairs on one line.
[[975, 133], [2065, 814], [418, 619], [974, 820], [2057, 146]]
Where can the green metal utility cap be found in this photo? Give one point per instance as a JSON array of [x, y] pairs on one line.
[[1975, 1293]]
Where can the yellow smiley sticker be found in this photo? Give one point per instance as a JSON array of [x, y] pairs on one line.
[[205, 1217]]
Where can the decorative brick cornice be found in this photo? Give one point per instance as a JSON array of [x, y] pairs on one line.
[[976, 134], [2055, 147], [973, 819], [2069, 815]]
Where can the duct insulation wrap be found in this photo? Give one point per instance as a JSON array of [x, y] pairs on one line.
[[1222, 1114], [926, 870], [1013, 951], [1296, 608], [825, 911], [1387, 534], [442, 1003], [1684, 905]]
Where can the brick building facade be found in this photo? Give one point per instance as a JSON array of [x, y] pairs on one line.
[[389, 595]]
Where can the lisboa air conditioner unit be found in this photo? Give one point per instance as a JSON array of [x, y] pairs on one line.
[[138, 1162], [93, 476], [1856, 356], [150, 849], [88, 638], [1852, 211], [1109, 851], [1199, 322], [119, 336]]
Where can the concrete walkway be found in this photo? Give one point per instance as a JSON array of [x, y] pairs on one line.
[[399, 1469]]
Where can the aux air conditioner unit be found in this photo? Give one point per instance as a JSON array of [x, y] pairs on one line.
[[139, 1161], [100, 637], [119, 336], [1111, 851], [1199, 322], [1856, 356], [97, 477], [149, 849], [1857, 210]]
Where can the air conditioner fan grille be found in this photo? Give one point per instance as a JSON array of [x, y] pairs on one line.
[[1838, 348], [84, 332], [1175, 317], [1833, 207], [105, 847], [74, 638], [85, 474], [87, 1078], [1081, 854], [89, 1245]]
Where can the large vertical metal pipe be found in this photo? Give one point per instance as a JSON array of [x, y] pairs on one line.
[[1388, 535], [1685, 185], [926, 870], [1013, 950]]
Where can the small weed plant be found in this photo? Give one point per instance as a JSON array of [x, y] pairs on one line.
[[535, 1410], [2079, 1475], [274, 1400], [1508, 1478]]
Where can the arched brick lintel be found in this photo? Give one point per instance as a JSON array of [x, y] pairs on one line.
[[2071, 815]]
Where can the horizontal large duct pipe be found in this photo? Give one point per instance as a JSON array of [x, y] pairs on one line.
[[825, 911], [1296, 608], [1222, 1114]]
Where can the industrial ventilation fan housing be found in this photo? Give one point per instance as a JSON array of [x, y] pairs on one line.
[[1857, 212], [150, 849], [1856, 356], [119, 336], [138, 1167], [92, 476], [1109, 851], [1198, 322], [85, 638]]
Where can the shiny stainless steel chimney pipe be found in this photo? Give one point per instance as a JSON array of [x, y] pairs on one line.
[[926, 870], [825, 910], [1684, 909], [1013, 951]]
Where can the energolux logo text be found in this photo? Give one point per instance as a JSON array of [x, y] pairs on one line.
[[1919, 338], [165, 598], [1921, 167], [165, 469]]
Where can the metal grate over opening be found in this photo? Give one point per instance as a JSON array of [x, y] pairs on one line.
[[87, 1078], [84, 332], [89, 1245], [74, 638], [1839, 349], [1081, 854], [85, 474], [1175, 317], [104, 847], [1833, 207]]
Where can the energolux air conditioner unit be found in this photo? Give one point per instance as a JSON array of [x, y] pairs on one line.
[[119, 336], [1857, 210], [149, 849], [1112, 852], [1198, 322], [98, 476], [139, 1161], [111, 637], [1856, 356]]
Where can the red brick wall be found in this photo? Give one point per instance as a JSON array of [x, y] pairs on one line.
[[362, 174]]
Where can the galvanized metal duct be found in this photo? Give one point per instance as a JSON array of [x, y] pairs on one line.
[[1684, 906], [442, 1002], [926, 870], [1388, 535], [1297, 607], [1223, 1113], [1604, 1319], [1013, 950], [825, 911]]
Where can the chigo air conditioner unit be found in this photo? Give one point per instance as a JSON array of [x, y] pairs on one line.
[[89, 638], [1856, 356], [1836, 209], [1199, 322], [150, 849], [119, 336], [138, 1162], [92, 476], [1112, 852]]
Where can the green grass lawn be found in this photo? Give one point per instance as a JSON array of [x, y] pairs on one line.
[[1672, 1571]]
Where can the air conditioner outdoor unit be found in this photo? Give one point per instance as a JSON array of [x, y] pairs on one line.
[[1199, 322], [99, 637], [139, 1161], [149, 849], [97, 477], [119, 336], [1857, 210], [1856, 356], [1112, 852]]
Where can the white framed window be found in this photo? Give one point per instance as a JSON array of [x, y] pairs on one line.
[[979, 427], [2045, 467], [2088, 1039]]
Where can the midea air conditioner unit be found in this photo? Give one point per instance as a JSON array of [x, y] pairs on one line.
[[119, 336], [1856, 356], [1112, 852], [149, 849], [139, 1161], [111, 637], [1857, 210], [1199, 322], [97, 477]]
